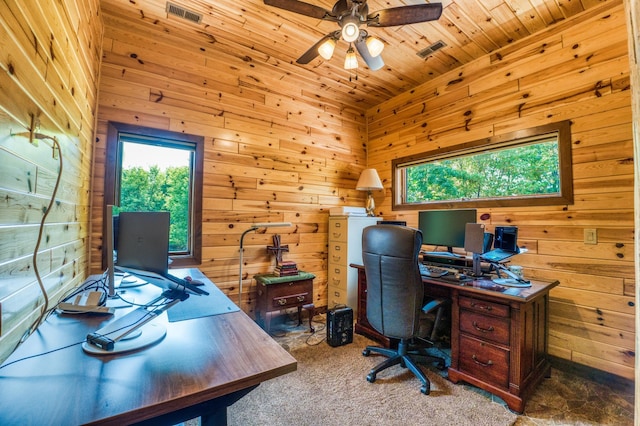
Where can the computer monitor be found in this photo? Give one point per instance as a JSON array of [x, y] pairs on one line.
[[143, 241], [445, 228]]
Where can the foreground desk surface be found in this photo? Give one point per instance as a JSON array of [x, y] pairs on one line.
[[200, 366]]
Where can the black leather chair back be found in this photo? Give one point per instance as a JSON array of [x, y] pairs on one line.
[[394, 287]]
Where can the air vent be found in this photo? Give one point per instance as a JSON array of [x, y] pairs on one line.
[[431, 49], [174, 9]]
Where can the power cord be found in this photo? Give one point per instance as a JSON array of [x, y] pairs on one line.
[[45, 306]]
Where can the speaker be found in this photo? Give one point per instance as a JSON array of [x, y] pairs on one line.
[[339, 326]]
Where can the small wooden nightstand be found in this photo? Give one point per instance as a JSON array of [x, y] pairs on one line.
[[276, 293]]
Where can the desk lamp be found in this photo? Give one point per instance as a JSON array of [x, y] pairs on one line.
[[369, 181], [253, 228]]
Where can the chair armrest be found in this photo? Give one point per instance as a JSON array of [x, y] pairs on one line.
[[433, 304]]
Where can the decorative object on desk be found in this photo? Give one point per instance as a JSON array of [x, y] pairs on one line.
[[253, 227], [277, 249], [516, 269], [369, 181]]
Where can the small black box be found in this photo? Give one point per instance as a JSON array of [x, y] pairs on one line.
[[339, 326]]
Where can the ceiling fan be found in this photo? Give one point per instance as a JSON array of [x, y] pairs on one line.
[[350, 14]]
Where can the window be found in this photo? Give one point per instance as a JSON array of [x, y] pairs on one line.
[[529, 167], [155, 170]]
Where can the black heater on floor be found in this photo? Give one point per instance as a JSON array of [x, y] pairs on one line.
[[339, 326]]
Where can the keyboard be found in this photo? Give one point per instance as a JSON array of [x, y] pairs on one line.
[[431, 271]]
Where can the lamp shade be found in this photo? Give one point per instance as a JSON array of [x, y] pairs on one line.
[[374, 46], [369, 180], [326, 49], [350, 61], [350, 29]]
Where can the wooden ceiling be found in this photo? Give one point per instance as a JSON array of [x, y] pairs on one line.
[[266, 41]]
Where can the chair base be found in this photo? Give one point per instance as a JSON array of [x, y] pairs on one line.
[[407, 358]]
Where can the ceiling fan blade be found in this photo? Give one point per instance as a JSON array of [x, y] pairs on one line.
[[340, 7], [302, 8], [405, 15], [373, 62], [312, 53]]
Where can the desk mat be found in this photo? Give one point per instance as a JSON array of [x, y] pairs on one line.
[[198, 306]]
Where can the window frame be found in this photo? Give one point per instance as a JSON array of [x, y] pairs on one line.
[[512, 139], [194, 257]]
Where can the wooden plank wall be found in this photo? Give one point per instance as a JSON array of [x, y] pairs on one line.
[[49, 67], [578, 71], [274, 151]]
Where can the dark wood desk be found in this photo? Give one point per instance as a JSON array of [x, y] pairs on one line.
[[499, 335], [200, 367]]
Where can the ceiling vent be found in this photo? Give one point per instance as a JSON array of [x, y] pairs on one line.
[[431, 49], [174, 9]]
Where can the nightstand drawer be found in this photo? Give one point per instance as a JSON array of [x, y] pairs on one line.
[[290, 300], [486, 327], [483, 306], [484, 361]]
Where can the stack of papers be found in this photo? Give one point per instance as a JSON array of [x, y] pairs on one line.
[[347, 211]]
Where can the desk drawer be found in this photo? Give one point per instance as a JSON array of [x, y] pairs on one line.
[[484, 361], [484, 326], [290, 300], [484, 306]]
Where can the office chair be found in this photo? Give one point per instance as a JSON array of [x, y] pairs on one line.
[[395, 297]]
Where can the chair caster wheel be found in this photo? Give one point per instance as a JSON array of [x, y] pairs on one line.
[[425, 390], [366, 352], [371, 378]]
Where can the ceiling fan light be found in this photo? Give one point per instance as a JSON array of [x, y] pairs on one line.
[[375, 46], [350, 31], [326, 49], [351, 60]]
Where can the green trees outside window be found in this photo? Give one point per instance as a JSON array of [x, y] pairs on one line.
[[523, 168]]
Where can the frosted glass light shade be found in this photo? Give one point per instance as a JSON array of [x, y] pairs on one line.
[[369, 180], [375, 46], [350, 29], [326, 49], [350, 61]]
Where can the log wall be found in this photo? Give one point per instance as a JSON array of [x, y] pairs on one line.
[[577, 70], [273, 153], [49, 67]]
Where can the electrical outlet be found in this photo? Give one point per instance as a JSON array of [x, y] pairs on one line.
[[591, 236]]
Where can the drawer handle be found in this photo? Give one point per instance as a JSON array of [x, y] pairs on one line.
[[485, 307], [336, 282], [300, 298], [337, 235], [282, 301], [488, 363], [337, 258], [484, 330]]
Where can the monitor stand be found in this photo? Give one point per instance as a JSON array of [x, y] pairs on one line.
[[141, 338]]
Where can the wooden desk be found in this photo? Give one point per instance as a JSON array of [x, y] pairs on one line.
[[200, 367], [499, 338]]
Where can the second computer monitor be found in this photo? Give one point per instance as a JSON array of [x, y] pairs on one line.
[[445, 228]]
